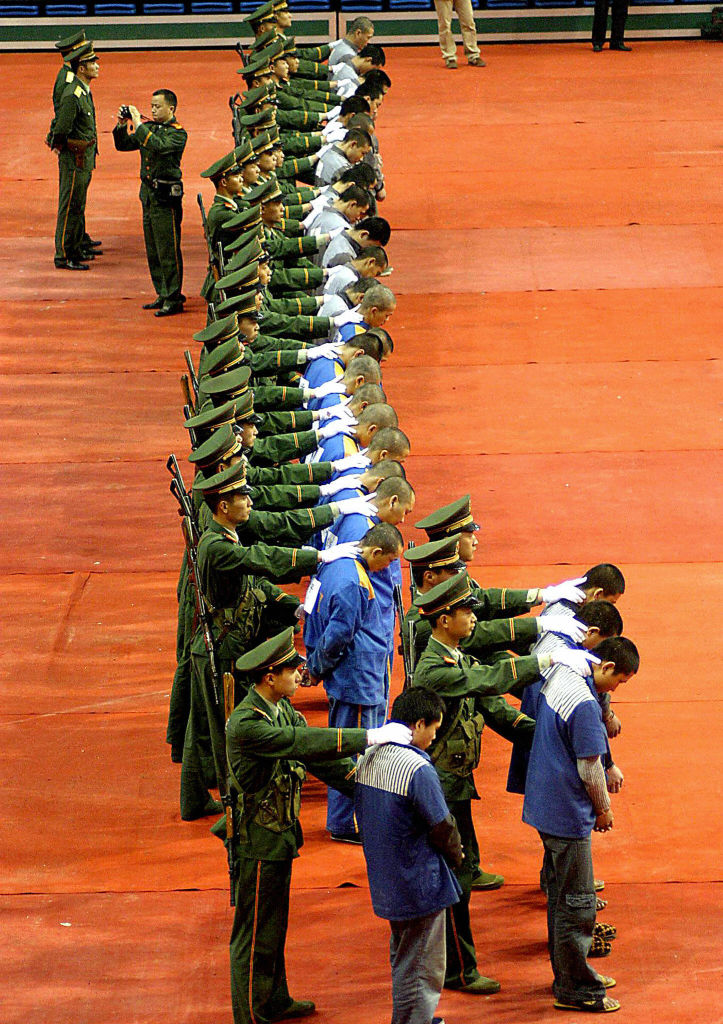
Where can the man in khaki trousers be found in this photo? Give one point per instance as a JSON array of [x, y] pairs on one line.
[[463, 9]]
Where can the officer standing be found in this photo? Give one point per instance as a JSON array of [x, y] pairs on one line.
[[73, 136], [161, 142]]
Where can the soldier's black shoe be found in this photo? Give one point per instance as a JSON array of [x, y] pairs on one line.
[[94, 243], [597, 47], [298, 1008], [169, 309], [90, 254], [71, 265], [156, 304], [211, 808], [620, 46]]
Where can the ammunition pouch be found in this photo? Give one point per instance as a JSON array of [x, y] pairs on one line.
[[458, 751], [167, 191], [243, 621], [277, 806]]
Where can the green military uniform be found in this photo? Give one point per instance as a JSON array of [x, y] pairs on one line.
[[269, 748], [68, 48], [73, 133], [472, 694], [161, 148]]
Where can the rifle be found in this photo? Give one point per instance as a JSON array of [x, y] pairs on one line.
[[212, 266], [399, 605], [191, 433], [188, 402], [240, 51], [228, 797], [192, 375]]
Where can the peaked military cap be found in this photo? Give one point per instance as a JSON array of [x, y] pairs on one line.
[[264, 39], [278, 652], [453, 593], [289, 44], [223, 444], [244, 152], [69, 43], [280, 5], [212, 417], [272, 50], [261, 143], [449, 519], [226, 165], [261, 14], [263, 119], [228, 481], [436, 554], [244, 256], [253, 96], [240, 243], [85, 51], [226, 386], [243, 305], [260, 65], [218, 330], [275, 139], [240, 279], [225, 357], [246, 218], [245, 409], [264, 192]]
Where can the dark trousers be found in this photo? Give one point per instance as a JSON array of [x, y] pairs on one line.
[[600, 21], [259, 991], [570, 917], [162, 235], [461, 955], [339, 808], [73, 185]]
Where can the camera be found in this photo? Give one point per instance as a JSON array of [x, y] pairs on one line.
[[125, 111]]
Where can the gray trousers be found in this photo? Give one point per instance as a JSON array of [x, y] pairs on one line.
[[570, 917], [417, 955]]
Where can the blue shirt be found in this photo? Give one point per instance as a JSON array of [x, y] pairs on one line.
[[569, 726], [398, 798], [319, 372], [344, 635]]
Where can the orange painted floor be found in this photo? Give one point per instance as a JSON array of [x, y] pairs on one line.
[[558, 260]]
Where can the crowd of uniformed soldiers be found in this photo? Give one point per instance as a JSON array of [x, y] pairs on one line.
[[298, 472]]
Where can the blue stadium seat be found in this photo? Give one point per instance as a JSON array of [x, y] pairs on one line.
[[555, 3], [169, 8], [501, 5], [66, 10], [362, 5], [112, 10], [19, 10], [410, 5], [212, 7]]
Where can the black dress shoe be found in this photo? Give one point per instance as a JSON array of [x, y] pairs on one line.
[[620, 46], [597, 47], [95, 243], [169, 309], [156, 304], [90, 254], [71, 265]]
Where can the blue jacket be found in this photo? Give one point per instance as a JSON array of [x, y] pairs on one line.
[[319, 372], [344, 634]]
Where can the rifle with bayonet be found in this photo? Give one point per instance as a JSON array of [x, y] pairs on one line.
[[193, 437], [399, 605], [411, 625], [188, 399]]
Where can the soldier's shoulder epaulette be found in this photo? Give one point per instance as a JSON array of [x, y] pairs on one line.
[[78, 91], [69, 76], [449, 661], [175, 124]]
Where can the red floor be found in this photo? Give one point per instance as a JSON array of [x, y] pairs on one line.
[[558, 261]]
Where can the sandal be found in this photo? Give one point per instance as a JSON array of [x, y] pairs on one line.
[[605, 931], [604, 1005], [600, 947], [600, 904], [606, 981]]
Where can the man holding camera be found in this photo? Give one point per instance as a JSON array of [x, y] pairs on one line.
[[161, 142]]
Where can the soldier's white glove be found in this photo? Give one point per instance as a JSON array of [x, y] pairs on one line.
[[336, 426], [392, 732], [325, 351], [334, 112], [569, 590], [349, 316], [578, 661], [357, 506], [340, 484], [563, 624], [330, 387], [356, 461], [347, 550]]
